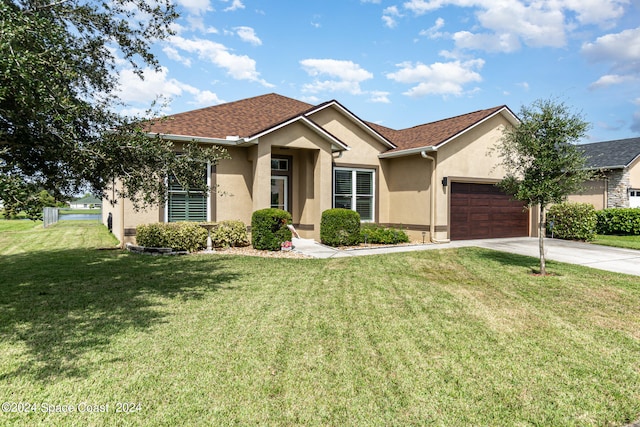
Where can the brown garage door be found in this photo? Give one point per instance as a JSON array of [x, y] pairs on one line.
[[482, 211]]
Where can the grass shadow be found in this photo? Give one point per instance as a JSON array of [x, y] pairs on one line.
[[532, 264], [58, 306]]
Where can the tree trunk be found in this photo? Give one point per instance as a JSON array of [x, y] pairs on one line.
[[541, 232]]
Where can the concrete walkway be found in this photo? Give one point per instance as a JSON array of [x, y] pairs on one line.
[[601, 257]]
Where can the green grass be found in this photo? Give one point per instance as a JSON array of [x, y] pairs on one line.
[[629, 242], [453, 337]]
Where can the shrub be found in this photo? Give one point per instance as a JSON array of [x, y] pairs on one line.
[[340, 227], [572, 221], [269, 229], [619, 221], [230, 233], [374, 233], [180, 236]]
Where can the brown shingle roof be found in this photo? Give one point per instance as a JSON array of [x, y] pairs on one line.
[[242, 118], [251, 116], [434, 133]]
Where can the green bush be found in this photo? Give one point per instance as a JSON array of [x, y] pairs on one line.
[[230, 233], [340, 227], [180, 236], [619, 221], [572, 221], [269, 229], [374, 233]]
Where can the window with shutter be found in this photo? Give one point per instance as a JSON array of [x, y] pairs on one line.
[[354, 189], [183, 205]]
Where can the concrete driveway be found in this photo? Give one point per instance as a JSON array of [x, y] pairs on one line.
[[602, 257], [596, 256]]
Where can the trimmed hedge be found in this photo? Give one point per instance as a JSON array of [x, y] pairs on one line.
[[269, 229], [230, 233], [619, 221], [340, 227], [180, 236], [572, 221], [374, 233]]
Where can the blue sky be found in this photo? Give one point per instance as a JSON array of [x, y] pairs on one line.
[[404, 63]]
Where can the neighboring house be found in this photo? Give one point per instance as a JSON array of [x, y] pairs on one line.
[[86, 202], [435, 180], [618, 185]]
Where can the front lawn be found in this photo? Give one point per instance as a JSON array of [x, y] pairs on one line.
[[629, 242], [453, 337]]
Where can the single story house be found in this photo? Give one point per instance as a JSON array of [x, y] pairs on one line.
[[86, 202], [435, 180], [618, 183]]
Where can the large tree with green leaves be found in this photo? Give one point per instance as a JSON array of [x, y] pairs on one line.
[[541, 160], [59, 128]]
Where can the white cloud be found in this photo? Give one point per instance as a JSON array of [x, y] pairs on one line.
[[600, 12], [379, 97], [235, 5], [346, 76], [504, 25], [534, 24], [156, 85], [622, 49], [420, 7], [434, 31], [389, 16], [439, 78], [174, 55], [610, 80], [195, 7], [489, 42], [205, 98], [248, 35], [240, 67]]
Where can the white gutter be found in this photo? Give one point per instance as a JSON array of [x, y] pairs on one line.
[[408, 152], [230, 140]]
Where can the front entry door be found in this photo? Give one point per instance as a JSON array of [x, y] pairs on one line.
[[280, 192]]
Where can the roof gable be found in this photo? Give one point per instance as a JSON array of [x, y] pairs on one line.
[[438, 133], [355, 119], [615, 154]]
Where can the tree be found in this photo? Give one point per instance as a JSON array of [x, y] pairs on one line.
[[19, 196], [58, 76], [541, 160]]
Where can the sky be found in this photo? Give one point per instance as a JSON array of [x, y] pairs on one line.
[[404, 63]]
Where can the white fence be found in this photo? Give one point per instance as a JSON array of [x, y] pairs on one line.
[[49, 216]]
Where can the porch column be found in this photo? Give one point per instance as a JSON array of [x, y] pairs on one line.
[[323, 187], [261, 191]]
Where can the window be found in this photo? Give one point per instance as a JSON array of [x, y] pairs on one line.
[[281, 182], [280, 165], [354, 189], [186, 206]]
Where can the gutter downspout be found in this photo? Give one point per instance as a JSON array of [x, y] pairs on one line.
[[432, 195]]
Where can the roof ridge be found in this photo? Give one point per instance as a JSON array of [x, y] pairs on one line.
[[493, 109]]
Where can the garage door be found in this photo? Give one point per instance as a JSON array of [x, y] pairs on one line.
[[482, 211]]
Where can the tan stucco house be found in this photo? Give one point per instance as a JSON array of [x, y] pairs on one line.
[[434, 180], [618, 182]]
